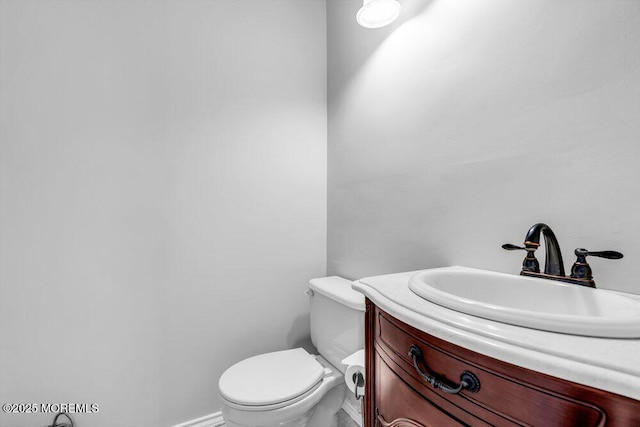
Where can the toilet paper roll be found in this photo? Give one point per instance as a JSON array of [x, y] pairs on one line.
[[354, 375]]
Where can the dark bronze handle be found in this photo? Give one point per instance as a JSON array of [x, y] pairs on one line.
[[582, 270], [602, 254], [468, 381], [398, 422], [510, 247], [530, 262]]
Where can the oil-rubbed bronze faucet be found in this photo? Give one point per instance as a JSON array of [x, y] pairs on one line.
[[581, 273]]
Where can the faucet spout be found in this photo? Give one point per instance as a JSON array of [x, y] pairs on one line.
[[553, 257]]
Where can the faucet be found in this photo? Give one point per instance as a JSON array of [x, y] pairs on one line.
[[581, 273], [553, 257]]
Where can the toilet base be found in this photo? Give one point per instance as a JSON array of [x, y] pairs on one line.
[[298, 422], [326, 411]]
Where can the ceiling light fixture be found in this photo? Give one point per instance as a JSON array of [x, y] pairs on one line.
[[378, 13]]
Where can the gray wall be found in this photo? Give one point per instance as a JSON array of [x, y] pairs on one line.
[[464, 123], [162, 198]]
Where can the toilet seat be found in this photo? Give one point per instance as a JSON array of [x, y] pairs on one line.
[[271, 380]]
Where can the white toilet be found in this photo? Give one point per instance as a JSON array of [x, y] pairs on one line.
[[293, 388]]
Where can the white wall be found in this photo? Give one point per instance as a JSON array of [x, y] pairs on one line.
[[162, 198], [466, 122]]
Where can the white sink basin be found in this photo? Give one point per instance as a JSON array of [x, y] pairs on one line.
[[531, 302]]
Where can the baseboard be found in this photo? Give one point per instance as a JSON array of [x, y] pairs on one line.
[[211, 420], [216, 420], [353, 411]]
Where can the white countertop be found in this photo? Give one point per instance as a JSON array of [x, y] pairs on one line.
[[609, 364]]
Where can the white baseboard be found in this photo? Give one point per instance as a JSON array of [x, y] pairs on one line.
[[216, 420], [211, 420], [353, 411]]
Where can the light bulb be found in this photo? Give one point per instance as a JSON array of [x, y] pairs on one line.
[[378, 13]]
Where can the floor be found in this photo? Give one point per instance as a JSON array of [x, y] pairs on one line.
[[344, 420]]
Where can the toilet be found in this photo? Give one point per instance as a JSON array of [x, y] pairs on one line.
[[292, 388]]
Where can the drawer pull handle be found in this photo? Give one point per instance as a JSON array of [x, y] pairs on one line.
[[399, 422], [468, 381]]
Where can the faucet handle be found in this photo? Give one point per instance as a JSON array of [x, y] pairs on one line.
[[582, 270], [530, 262], [581, 252], [510, 247]]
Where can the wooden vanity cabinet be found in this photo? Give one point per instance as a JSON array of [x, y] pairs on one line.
[[397, 396]]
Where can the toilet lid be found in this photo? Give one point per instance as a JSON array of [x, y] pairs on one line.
[[270, 378]]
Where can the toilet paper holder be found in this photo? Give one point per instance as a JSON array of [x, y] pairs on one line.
[[354, 374], [358, 381]]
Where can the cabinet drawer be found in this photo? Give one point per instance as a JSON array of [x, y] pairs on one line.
[[505, 396], [399, 397], [398, 404]]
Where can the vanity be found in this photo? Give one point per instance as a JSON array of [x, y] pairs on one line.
[[434, 364]]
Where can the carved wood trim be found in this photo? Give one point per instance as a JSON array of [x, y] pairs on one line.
[[399, 422]]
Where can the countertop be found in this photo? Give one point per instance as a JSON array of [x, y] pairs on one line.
[[610, 364]]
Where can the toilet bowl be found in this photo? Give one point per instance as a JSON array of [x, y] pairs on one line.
[[292, 388], [286, 388]]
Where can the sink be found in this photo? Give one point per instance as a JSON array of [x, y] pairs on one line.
[[531, 302]]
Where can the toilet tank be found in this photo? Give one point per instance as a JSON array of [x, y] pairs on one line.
[[337, 319]]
